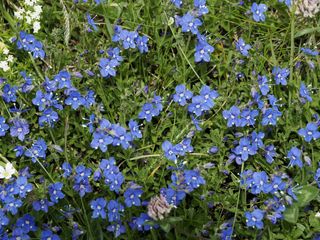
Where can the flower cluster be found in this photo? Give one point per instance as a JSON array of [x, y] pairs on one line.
[[5, 58], [190, 22], [30, 44], [30, 13]]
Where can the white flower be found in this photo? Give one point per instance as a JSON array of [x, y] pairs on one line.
[[10, 58], [36, 26], [19, 13], [317, 215], [5, 51], [30, 2], [7, 171], [4, 65], [38, 9]]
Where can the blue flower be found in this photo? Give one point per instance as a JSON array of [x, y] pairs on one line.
[[259, 183], [101, 140], [3, 126], [258, 11], [63, 79], [254, 218], [189, 23], [304, 92], [169, 151], [20, 128], [48, 116], [173, 196], [115, 181], [184, 147], [4, 220], [107, 67], [277, 184], [98, 206], [117, 229], [49, 235], [132, 197], [182, 95], [128, 39], [294, 155], [248, 117], [201, 7], [121, 137], [42, 205], [26, 223], [269, 153], [91, 23], [9, 93], [270, 116], [148, 111], [12, 204], [114, 54], [316, 178], [310, 132], [23, 186], [75, 100], [142, 43], [287, 2], [263, 85], [209, 95], [280, 75], [28, 43], [232, 115], [134, 129], [141, 223], [37, 150], [256, 139], [245, 148], [42, 100], [310, 52], [55, 192], [242, 47], [114, 210], [177, 3], [197, 105], [27, 85], [193, 179], [203, 50]]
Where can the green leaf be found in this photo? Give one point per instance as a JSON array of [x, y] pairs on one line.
[[291, 214], [165, 227], [307, 31], [306, 195]]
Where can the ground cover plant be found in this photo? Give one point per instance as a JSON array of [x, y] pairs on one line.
[[169, 119]]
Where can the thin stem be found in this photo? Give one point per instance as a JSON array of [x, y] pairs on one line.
[[238, 200], [86, 217], [36, 67]]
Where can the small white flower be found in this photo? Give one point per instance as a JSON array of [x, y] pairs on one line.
[[7, 171], [36, 26], [4, 66], [19, 13], [317, 215], [10, 58], [5, 51]]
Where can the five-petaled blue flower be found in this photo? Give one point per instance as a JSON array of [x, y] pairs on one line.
[[242, 47], [189, 23], [258, 11], [3, 126], [98, 206], [310, 132], [294, 155], [182, 95], [280, 75], [20, 128], [132, 197], [107, 67], [254, 218], [304, 92]]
